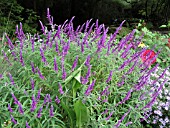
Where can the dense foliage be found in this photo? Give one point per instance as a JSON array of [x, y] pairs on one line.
[[79, 77]]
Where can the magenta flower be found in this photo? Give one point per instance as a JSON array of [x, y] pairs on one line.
[[57, 100], [34, 103], [55, 65], [13, 120], [9, 108], [51, 111], [39, 112], [27, 126], [90, 88], [11, 79], [60, 88], [32, 83], [74, 64]]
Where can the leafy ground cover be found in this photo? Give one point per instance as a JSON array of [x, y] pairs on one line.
[[81, 77]]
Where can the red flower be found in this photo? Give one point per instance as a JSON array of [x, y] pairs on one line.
[[148, 57], [168, 40]]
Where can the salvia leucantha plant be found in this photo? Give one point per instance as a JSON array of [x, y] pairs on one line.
[[79, 77]]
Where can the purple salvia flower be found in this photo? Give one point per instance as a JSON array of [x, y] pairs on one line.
[[91, 28], [38, 95], [21, 58], [56, 47], [9, 42], [57, 34], [76, 32], [42, 27], [81, 27], [132, 68], [49, 98], [32, 83], [97, 23], [39, 112], [45, 99], [51, 111], [90, 88], [110, 115], [14, 55], [74, 64], [60, 88], [119, 121], [128, 123], [110, 77], [55, 65], [64, 24], [11, 79], [32, 66], [27, 126], [87, 25], [126, 51], [20, 108], [49, 17], [15, 99], [34, 103], [1, 76], [149, 105], [88, 74], [128, 95], [9, 108], [87, 63], [40, 74], [42, 55], [105, 91], [84, 80], [57, 100], [13, 120]]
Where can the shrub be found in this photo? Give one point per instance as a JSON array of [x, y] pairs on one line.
[[75, 78]]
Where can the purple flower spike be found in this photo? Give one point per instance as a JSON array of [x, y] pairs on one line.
[[110, 77], [9, 108], [128, 95], [42, 27], [109, 115], [43, 56], [6, 58], [87, 63], [9, 42], [119, 122], [13, 120], [90, 88], [34, 103], [40, 74], [11, 79], [57, 100], [21, 58], [15, 99], [55, 65], [64, 74], [20, 108], [75, 63], [60, 88], [27, 126], [39, 112], [32, 66], [51, 111], [1, 76], [38, 95]]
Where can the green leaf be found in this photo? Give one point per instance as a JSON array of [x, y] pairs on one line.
[[82, 113], [70, 113], [163, 26]]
